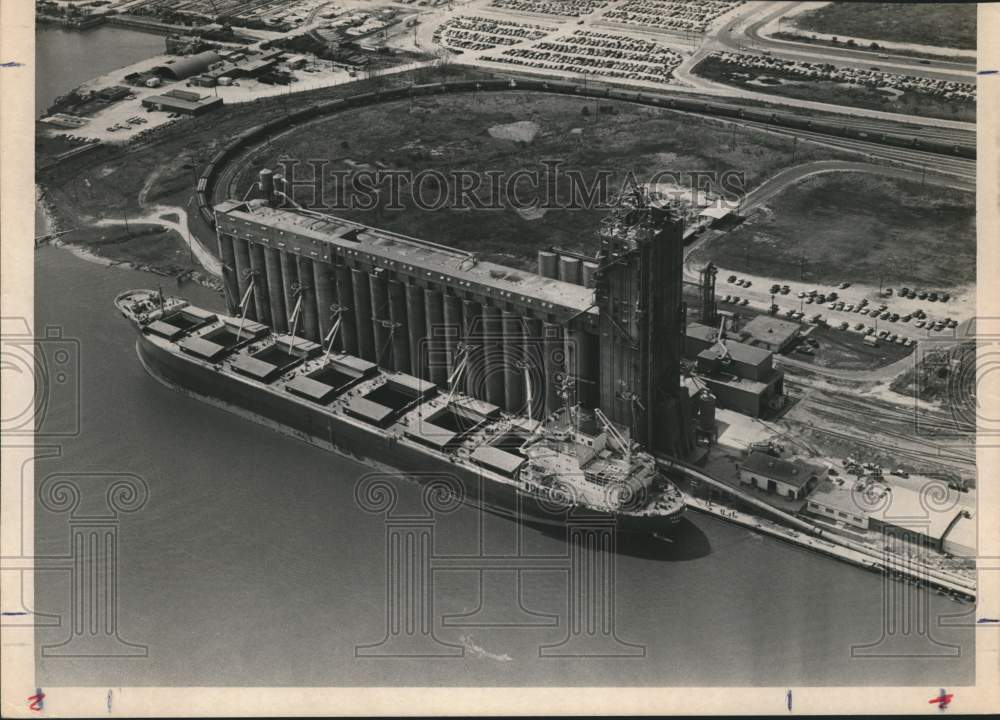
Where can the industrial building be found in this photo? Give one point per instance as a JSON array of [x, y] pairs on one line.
[[793, 479], [742, 377], [947, 523], [769, 333], [188, 66], [527, 341], [181, 101]]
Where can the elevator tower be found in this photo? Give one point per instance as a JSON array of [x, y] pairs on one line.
[[642, 322]]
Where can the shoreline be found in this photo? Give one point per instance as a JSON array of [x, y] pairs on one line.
[[51, 225]]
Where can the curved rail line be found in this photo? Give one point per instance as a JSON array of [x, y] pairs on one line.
[[208, 180]]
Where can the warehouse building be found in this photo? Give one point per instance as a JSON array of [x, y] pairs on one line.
[[793, 479], [182, 101], [188, 66], [946, 523], [769, 333]]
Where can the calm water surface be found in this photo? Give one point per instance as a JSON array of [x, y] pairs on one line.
[[67, 58]]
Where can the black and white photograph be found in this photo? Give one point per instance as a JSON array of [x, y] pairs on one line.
[[423, 357]]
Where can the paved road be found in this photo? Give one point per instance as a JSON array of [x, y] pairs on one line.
[[747, 37]]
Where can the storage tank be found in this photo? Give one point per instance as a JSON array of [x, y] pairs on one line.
[[569, 269], [548, 264], [265, 183], [705, 408], [589, 268]]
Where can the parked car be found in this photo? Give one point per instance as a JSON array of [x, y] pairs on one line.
[[921, 323], [731, 278], [859, 326], [922, 294], [785, 289], [845, 285]]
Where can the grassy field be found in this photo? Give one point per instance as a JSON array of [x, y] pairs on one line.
[[141, 244], [775, 82], [856, 226], [940, 24], [452, 134], [814, 40]]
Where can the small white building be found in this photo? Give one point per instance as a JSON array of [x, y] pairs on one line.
[[793, 479]]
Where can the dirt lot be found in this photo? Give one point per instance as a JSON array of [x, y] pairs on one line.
[[856, 227]]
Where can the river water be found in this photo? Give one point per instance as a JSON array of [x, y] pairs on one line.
[[67, 58], [252, 563]]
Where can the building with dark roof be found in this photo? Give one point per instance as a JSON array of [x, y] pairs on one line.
[[188, 66]]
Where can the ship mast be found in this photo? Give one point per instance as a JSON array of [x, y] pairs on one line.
[[332, 335], [244, 306]]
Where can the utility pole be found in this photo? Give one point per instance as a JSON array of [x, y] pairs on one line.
[[125, 215]]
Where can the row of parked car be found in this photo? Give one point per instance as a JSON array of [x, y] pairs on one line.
[[906, 292], [474, 32], [868, 77], [577, 53], [567, 8], [693, 15]]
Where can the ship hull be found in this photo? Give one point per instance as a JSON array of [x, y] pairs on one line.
[[389, 457]]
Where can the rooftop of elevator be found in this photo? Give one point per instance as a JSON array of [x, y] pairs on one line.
[[404, 254]]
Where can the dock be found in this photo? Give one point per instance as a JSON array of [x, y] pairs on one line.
[[812, 537]]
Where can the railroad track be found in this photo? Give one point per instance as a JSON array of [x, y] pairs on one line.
[[873, 419]]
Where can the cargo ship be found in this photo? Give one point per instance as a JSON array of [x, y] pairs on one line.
[[572, 463]]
